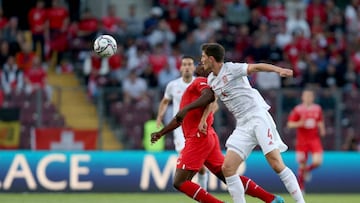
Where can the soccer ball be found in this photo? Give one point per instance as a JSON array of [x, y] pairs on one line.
[[105, 46]]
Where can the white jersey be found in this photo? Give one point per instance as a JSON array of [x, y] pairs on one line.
[[232, 87], [174, 91]]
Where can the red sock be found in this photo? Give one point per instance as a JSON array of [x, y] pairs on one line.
[[301, 179], [253, 189], [195, 192], [311, 167]]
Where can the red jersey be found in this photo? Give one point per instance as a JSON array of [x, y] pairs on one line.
[[192, 119], [37, 19], [57, 17], [312, 115], [37, 76]]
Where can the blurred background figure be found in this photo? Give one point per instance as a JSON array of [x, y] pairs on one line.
[[308, 119]]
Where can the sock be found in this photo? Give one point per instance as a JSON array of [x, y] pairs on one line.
[[253, 189], [195, 192], [301, 179], [235, 188], [289, 180], [203, 180], [311, 167]]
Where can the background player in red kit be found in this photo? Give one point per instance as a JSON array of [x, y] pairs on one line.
[[202, 145], [307, 118]]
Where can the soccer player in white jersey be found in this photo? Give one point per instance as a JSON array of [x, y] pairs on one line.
[[173, 92], [254, 124]]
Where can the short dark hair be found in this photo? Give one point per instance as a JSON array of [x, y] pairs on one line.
[[187, 57], [215, 50]]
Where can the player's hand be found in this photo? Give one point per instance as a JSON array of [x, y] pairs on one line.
[[202, 127], [284, 72], [155, 137]]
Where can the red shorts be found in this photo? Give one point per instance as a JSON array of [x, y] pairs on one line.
[[199, 151], [314, 146]]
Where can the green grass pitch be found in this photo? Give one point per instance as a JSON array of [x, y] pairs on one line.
[[151, 198]]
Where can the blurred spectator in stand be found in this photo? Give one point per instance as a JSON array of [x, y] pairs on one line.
[[316, 9], [134, 89], [203, 33], [36, 79], [150, 77], [166, 75], [151, 22], [311, 75], [137, 56], [173, 20], [189, 46], [352, 142], [12, 34], [293, 6], [134, 25], [276, 14], [283, 37], [24, 58], [4, 53], [39, 26], [352, 79], [237, 13], [298, 24], [158, 58], [58, 17], [12, 78], [161, 34], [256, 19], [113, 24], [3, 20], [87, 29], [174, 59]]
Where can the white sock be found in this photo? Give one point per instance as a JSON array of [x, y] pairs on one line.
[[291, 184], [203, 180], [236, 189]]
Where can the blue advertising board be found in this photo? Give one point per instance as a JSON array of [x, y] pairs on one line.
[[139, 171]]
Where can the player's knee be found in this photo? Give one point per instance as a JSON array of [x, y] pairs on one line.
[[276, 164], [177, 184], [228, 169]]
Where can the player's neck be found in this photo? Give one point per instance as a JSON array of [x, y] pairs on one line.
[[187, 79], [217, 68]]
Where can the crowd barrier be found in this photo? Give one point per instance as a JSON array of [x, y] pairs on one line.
[[140, 171]]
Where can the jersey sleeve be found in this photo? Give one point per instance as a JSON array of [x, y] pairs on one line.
[[238, 69], [294, 115], [168, 90], [201, 84]]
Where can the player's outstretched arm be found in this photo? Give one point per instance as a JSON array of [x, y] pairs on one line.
[[265, 67], [161, 111]]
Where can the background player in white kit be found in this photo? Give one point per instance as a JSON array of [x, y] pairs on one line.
[[173, 92], [254, 124]]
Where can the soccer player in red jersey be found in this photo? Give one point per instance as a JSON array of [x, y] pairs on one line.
[[307, 118], [201, 144]]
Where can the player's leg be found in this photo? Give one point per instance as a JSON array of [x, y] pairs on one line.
[[214, 163], [238, 149], [182, 182], [203, 177], [317, 159], [271, 143], [301, 158]]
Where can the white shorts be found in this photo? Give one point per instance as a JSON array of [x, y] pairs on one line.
[[257, 129], [179, 140]]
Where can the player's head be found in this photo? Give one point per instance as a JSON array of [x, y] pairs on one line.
[[211, 54], [201, 71], [187, 67], [308, 96]]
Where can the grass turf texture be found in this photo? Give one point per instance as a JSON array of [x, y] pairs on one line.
[[151, 198]]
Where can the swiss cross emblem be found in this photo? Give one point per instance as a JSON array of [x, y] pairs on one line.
[[225, 80]]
